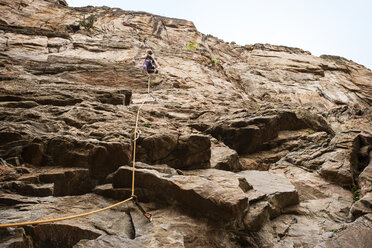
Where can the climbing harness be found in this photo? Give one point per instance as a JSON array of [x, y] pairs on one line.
[[133, 196]]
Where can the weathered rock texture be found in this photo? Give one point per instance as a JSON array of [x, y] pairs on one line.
[[239, 146]]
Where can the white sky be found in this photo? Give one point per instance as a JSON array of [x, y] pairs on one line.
[[336, 27]]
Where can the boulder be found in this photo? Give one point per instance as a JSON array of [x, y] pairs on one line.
[[74, 182], [337, 168], [362, 206], [30, 189], [108, 191], [224, 158], [156, 147], [208, 194], [365, 180], [276, 189], [53, 181], [257, 216]]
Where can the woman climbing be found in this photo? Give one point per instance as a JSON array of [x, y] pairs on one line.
[[150, 65]]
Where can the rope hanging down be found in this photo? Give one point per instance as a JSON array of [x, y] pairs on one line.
[[133, 196], [134, 147]]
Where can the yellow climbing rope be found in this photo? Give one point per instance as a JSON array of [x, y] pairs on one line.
[[64, 218], [135, 134], [134, 147], [102, 209]]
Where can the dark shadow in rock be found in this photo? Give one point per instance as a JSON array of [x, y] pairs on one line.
[[132, 232], [180, 152], [57, 236]]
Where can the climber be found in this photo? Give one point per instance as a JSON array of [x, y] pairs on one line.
[[150, 65]]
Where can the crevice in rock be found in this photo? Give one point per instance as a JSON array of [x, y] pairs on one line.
[[359, 157], [132, 231]]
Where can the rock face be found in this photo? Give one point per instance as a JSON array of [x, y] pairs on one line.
[[275, 189], [208, 192], [181, 152], [238, 146], [357, 234]]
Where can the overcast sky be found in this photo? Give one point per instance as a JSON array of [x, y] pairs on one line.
[[336, 27]]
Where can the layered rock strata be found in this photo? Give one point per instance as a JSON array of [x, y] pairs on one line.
[[239, 146]]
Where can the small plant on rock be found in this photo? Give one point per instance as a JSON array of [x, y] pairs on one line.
[[214, 62], [312, 132], [335, 230], [192, 45], [87, 23], [148, 125]]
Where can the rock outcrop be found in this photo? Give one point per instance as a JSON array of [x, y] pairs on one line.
[[238, 146]]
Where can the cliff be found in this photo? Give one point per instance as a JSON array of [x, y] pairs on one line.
[[239, 146]]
